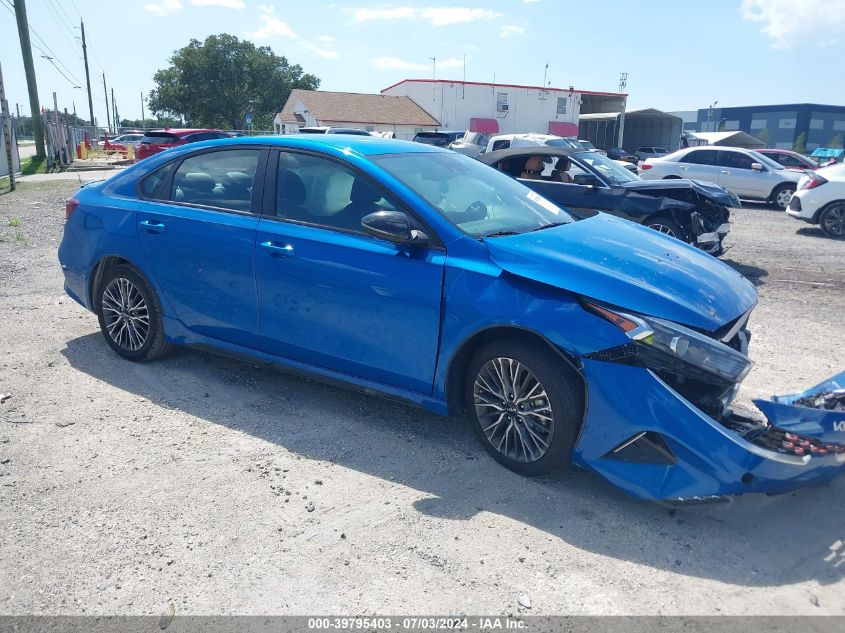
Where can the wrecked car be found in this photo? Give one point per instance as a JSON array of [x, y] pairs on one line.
[[426, 276], [586, 183]]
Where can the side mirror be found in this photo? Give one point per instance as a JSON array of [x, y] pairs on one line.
[[393, 226], [588, 180], [757, 166]]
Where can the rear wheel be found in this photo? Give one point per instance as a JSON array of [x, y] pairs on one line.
[[667, 226], [525, 406], [832, 220], [781, 196], [130, 315]]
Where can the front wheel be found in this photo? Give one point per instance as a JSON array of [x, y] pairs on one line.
[[525, 406], [667, 226], [832, 220], [130, 315], [782, 195]]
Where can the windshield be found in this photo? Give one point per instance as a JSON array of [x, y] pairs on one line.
[[765, 160], [586, 144], [608, 170], [478, 199]]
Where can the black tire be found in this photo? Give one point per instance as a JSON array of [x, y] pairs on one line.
[[778, 198], [154, 345], [563, 390], [832, 220], [667, 226]]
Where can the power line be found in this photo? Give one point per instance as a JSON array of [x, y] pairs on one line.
[[64, 29]]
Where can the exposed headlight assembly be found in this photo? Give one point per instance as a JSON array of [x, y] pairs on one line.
[[663, 341]]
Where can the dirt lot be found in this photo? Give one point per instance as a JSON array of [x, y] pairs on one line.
[[220, 488]]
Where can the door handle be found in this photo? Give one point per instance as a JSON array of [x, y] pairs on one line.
[[278, 250], [152, 226]]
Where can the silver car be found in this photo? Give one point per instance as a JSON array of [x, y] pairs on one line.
[[748, 174]]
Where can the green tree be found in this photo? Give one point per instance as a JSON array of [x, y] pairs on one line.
[[835, 142], [215, 83], [149, 124], [800, 144], [763, 136]]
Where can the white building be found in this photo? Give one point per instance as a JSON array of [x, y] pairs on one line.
[[374, 113], [505, 108]]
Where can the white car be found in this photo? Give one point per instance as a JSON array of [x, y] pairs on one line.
[[820, 199], [507, 141], [748, 174]]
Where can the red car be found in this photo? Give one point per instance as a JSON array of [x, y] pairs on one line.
[[159, 140], [789, 159]]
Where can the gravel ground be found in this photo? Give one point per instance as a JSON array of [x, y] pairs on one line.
[[220, 488]]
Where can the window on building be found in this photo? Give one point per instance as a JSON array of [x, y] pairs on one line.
[[501, 101], [839, 126], [787, 124], [757, 124], [816, 124], [561, 105], [370, 128], [731, 125]]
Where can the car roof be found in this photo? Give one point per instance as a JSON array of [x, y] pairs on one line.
[[364, 145], [541, 150]]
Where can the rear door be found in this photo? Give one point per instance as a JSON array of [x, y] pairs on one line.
[[197, 233], [700, 164], [334, 297]]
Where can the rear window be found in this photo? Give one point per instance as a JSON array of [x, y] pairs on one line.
[[154, 138], [438, 140]]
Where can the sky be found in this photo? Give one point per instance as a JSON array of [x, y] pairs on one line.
[[679, 54]]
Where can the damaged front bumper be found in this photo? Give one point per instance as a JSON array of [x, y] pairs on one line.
[[649, 440], [711, 242]]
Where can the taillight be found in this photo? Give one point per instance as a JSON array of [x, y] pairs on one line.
[[814, 181], [645, 166], [70, 206]]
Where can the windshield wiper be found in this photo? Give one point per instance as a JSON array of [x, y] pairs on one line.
[[549, 226], [502, 233]]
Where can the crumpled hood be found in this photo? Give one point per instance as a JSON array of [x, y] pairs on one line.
[[706, 190], [626, 265]]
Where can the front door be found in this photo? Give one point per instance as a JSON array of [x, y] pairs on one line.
[[198, 238], [331, 295]]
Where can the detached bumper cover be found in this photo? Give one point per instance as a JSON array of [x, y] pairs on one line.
[[707, 458]]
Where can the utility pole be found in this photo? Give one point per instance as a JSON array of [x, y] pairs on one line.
[[143, 117], [114, 113], [32, 86], [6, 121], [106, 94], [87, 76]]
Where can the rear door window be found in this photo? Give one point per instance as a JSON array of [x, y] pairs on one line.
[[222, 179], [701, 157]]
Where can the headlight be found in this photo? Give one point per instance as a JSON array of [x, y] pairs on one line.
[[689, 346]]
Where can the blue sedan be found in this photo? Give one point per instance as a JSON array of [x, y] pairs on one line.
[[420, 274]]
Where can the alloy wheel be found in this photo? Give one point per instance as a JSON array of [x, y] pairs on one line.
[[662, 228], [783, 198], [833, 221], [126, 314], [513, 410]]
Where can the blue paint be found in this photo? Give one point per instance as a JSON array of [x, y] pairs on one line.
[[391, 318]]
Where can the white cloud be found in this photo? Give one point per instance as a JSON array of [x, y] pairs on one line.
[[325, 53], [265, 8], [272, 27], [436, 16], [789, 23], [326, 39], [510, 29], [394, 63], [228, 4], [163, 7]]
